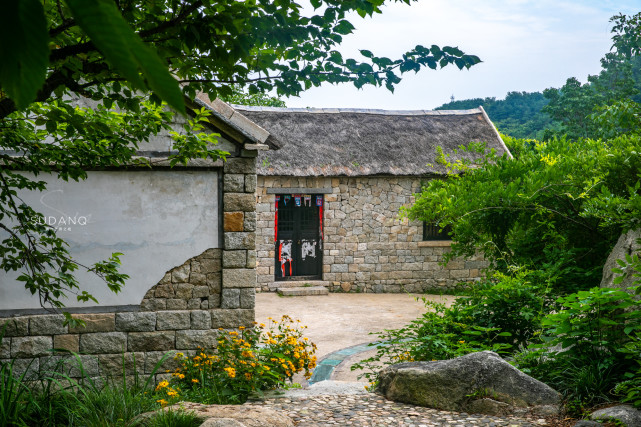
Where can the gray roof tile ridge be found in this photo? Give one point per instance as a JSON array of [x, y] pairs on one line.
[[313, 110]]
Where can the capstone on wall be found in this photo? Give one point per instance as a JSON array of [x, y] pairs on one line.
[[367, 247]]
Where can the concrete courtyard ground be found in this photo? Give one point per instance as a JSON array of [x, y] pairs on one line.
[[338, 321]]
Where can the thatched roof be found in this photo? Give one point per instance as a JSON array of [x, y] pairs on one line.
[[333, 142]]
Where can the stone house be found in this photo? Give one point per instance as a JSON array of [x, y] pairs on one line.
[[188, 238], [329, 199]]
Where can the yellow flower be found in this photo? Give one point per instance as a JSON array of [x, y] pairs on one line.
[[248, 376], [231, 372], [194, 380], [172, 393], [162, 385], [163, 402], [181, 376]]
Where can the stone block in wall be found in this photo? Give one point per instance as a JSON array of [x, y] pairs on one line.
[[234, 259], [234, 318], [200, 291], [247, 298], [151, 341], [230, 298], [198, 279], [47, 325], [103, 342], [249, 223], [233, 221], [339, 268], [213, 301], [98, 322], [193, 339], [114, 363], [5, 348], [239, 278], [15, 326], [242, 165], [153, 304], [176, 304], [136, 322], [152, 359], [172, 320], [72, 366], [69, 342], [211, 265], [250, 183], [244, 202], [459, 274], [164, 291], [200, 319], [251, 259], [183, 290], [234, 183], [193, 304], [214, 281], [240, 240], [181, 274]]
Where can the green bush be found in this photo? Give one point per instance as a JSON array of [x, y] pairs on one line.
[[499, 315], [587, 347]]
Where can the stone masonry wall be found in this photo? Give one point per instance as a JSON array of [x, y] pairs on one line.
[[367, 247], [184, 311]]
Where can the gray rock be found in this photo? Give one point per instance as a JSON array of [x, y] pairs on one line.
[[455, 384], [181, 274], [626, 414], [47, 325], [200, 319], [239, 278], [103, 342], [626, 245], [152, 341], [191, 340], [230, 298], [31, 346], [240, 240], [136, 322], [173, 320], [234, 182], [243, 202], [240, 165]]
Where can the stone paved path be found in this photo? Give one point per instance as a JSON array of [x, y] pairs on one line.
[[373, 410]]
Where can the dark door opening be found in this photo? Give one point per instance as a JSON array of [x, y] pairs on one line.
[[299, 237]]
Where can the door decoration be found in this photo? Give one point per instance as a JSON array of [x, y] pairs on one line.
[[297, 199], [308, 248], [285, 255], [276, 219], [286, 199], [319, 203], [308, 200]]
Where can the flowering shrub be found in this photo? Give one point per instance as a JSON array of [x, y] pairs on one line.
[[244, 361]]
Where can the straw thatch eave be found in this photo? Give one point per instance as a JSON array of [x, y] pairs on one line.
[[349, 142]]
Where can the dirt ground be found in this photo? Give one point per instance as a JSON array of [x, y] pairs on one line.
[[337, 321]]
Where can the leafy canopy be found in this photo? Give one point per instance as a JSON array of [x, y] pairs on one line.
[[81, 84]]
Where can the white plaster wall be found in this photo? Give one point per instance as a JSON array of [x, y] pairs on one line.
[[158, 219]]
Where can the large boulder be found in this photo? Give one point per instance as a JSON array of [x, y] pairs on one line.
[[475, 383], [229, 415], [625, 414], [628, 244]]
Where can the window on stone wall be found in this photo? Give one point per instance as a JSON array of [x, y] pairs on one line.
[[434, 232]]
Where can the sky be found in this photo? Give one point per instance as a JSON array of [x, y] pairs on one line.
[[524, 45]]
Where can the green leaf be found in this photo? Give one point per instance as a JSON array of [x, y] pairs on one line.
[[24, 50], [102, 22]]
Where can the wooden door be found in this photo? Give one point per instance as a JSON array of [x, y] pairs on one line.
[[299, 239]]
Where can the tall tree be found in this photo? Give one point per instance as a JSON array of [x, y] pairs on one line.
[[115, 53]]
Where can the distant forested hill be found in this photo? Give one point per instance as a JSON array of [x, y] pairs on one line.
[[518, 115]]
